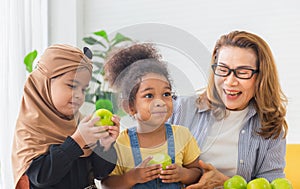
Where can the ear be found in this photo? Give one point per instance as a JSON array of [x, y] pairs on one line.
[[127, 108]]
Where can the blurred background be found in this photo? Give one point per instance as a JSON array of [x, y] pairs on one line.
[[185, 32]]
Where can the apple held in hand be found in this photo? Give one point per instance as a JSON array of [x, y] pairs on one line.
[[236, 182], [281, 183], [259, 183], [161, 158], [105, 117]]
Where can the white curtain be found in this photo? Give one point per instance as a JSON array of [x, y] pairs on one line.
[[24, 28]]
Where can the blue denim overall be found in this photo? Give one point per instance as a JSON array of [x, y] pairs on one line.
[[156, 183]]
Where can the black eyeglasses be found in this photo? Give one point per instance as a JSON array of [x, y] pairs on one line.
[[241, 73]]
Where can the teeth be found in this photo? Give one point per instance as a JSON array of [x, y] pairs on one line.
[[232, 93]]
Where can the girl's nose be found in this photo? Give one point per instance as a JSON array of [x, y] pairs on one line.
[[78, 94], [159, 103]]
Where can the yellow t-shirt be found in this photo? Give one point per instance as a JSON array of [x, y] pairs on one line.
[[186, 149]]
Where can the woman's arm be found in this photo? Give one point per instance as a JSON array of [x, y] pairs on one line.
[[272, 164], [211, 177], [48, 169]]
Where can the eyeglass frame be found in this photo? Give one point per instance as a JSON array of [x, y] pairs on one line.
[[253, 71]]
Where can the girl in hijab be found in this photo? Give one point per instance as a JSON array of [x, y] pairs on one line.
[[54, 145]]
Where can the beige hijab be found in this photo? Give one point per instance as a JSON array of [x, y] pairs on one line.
[[39, 123]]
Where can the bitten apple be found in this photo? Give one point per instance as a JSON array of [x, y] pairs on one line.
[[161, 158], [105, 117]]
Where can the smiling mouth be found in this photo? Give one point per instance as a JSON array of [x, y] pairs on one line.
[[232, 93], [159, 112]]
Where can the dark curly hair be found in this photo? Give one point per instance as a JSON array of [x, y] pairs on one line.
[[125, 67]]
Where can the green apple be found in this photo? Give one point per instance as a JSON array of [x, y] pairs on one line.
[[281, 183], [259, 183], [236, 182], [161, 158], [105, 117]]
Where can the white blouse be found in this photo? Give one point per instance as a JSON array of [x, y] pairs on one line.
[[222, 142]]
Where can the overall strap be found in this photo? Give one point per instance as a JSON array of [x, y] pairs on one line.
[[170, 139], [135, 147]]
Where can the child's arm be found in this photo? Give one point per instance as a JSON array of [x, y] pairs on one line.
[[103, 161], [139, 174], [51, 167], [188, 174], [124, 181], [48, 169], [104, 157]]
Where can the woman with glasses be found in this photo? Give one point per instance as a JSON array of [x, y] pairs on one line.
[[239, 120]]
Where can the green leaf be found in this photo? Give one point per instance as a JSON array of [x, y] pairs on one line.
[[98, 64], [99, 53], [97, 72], [102, 34], [94, 79], [29, 59], [102, 72], [92, 41], [97, 40], [89, 97], [119, 38]]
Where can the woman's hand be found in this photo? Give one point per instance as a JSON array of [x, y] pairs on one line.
[[211, 177], [112, 133]]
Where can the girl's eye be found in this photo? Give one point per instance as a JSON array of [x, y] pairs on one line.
[[71, 86], [167, 94], [148, 96]]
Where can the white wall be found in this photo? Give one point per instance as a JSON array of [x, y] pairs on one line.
[[65, 21], [277, 22]]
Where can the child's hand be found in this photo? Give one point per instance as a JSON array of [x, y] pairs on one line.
[[87, 134], [171, 174], [113, 133], [144, 173]]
